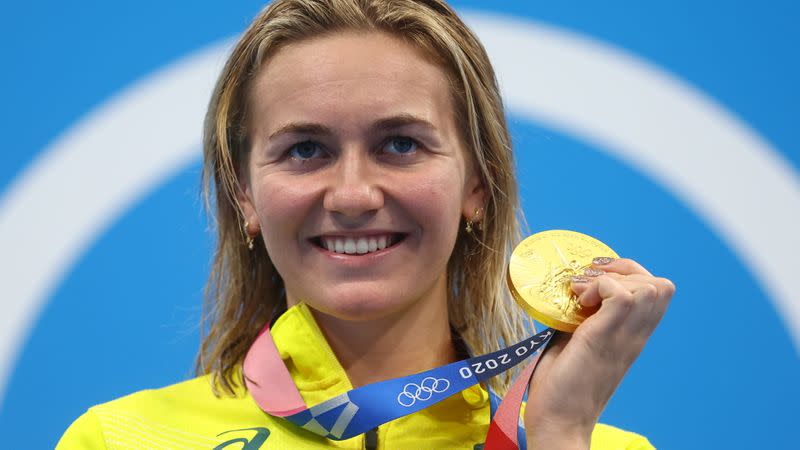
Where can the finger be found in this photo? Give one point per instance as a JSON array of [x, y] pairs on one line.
[[650, 298], [622, 266], [630, 306], [617, 303], [588, 292], [665, 287], [664, 290], [646, 312], [581, 282], [658, 281], [594, 290]]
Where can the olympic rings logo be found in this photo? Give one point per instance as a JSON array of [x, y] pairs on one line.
[[423, 391]]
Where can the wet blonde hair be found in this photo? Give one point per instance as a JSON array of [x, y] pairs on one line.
[[244, 289]]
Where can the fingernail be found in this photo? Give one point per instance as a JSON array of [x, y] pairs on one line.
[[580, 279], [590, 272], [602, 261]]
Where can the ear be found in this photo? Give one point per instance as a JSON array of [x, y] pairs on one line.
[[475, 196], [244, 196]]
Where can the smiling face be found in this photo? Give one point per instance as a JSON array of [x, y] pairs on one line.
[[357, 175]]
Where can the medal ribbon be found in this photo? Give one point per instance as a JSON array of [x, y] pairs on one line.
[[362, 409]]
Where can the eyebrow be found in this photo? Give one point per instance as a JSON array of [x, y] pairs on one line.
[[387, 123], [301, 128], [401, 120]]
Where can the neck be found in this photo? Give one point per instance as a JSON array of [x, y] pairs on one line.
[[415, 339]]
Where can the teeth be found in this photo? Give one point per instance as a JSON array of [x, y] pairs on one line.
[[361, 245]]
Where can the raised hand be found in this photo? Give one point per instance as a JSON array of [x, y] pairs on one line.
[[578, 373]]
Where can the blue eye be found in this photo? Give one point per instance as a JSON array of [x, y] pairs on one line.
[[306, 150], [400, 146]]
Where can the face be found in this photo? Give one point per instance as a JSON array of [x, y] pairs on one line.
[[357, 177]]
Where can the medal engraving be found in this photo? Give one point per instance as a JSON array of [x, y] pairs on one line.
[[540, 272]]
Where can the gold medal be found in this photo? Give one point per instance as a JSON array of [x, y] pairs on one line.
[[540, 271]]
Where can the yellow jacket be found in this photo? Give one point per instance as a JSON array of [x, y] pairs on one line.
[[187, 415]]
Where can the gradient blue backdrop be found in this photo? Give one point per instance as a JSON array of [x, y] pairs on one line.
[[720, 372]]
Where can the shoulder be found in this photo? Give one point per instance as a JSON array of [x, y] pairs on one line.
[[606, 437], [186, 414], [84, 433]]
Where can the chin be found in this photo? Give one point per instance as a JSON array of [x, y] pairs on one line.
[[361, 308]]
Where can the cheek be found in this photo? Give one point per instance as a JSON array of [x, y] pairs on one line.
[[281, 205], [437, 203]]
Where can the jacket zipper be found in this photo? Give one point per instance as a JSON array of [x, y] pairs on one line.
[[371, 439]]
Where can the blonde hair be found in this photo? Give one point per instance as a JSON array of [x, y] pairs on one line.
[[245, 291]]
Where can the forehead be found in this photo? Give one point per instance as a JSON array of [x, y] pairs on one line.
[[350, 75]]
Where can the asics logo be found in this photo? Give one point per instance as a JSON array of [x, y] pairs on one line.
[[423, 391], [253, 443]]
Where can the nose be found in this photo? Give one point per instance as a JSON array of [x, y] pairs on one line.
[[353, 191]]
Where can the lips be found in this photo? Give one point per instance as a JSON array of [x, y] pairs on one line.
[[358, 245]]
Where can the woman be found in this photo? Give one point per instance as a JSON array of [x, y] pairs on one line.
[[366, 207]]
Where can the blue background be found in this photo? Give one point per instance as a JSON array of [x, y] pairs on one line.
[[720, 372]]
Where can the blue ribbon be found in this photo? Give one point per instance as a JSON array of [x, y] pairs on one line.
[[360, 410]]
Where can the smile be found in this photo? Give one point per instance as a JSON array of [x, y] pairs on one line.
[[358, 245]]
